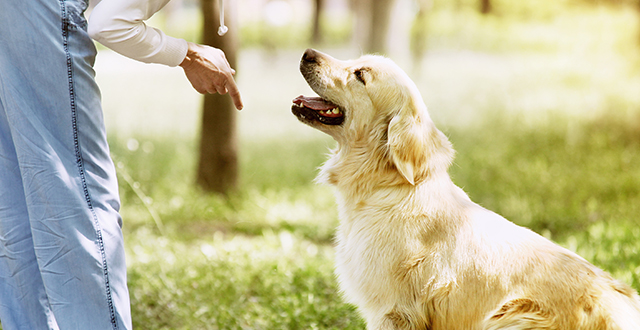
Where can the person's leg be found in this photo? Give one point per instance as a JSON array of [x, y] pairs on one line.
[[53, 109], [23, 301], [96, 167]]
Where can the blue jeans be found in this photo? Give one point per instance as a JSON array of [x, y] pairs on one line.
[[62, 262]]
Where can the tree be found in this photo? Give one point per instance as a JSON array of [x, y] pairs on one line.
[[316, 34], [218, 163], [638, 8], [372, 23], [485, 6], [380, 18]]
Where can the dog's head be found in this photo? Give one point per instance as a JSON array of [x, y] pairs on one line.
[[373, 109]]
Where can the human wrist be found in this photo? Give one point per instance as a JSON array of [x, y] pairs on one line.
[[190, 56]]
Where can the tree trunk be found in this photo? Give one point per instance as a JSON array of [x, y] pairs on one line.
[[638, 8], [218, 164], [362, 22], [316, 34], [485, 6], [380, 18]]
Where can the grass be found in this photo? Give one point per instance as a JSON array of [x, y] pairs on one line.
[[262, 259], [273, 281], [544, 113], [547, 131], [561, 179], [259, 260]]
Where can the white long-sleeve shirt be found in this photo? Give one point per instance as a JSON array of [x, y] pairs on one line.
[[119, 25]]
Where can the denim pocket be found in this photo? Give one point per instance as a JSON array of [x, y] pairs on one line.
[[75, 13]]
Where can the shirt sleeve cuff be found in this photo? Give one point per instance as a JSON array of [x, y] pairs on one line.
[[174, 52]]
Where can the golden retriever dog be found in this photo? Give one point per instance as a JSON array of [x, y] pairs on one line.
[[413, 251]]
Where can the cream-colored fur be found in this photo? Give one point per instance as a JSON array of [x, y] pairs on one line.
[[413, 251]]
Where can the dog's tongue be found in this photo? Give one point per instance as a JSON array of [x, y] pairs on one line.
[[314, 103]]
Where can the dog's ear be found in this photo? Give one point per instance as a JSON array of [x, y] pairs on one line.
[[416, 146], [407, 142]]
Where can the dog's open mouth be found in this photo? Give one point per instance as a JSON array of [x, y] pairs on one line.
[[318, 109]]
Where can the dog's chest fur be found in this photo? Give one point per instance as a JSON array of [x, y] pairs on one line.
[[384, 251], [368, 248], [416, 254]]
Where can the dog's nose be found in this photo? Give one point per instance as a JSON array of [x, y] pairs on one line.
[[310, 55]]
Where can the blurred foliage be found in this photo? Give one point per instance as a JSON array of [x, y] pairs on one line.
[[561, 176], [553, 145], [579, 30], [261, 34], [277, 193], [261, 260], [506, 16]]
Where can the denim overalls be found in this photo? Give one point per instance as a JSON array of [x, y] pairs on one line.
[[62, 263]]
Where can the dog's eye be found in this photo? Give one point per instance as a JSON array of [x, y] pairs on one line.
[[360, 75]]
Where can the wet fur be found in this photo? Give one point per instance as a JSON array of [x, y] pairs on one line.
[[413, 251]]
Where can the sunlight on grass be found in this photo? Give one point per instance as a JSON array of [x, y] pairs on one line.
[[543, 109], [274, 281]]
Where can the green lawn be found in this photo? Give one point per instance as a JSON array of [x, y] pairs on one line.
[[545, 119], [263, 258], [541, 102]]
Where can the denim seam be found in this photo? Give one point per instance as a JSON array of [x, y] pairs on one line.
[[66, 24]]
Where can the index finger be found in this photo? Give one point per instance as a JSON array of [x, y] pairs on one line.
[[234, 92]]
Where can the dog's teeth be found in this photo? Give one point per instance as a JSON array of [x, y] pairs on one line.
[[336, 111]]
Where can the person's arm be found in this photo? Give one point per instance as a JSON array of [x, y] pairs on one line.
[[119, 25]]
